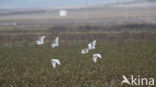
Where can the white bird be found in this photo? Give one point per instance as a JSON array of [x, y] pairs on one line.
[[92, 45], [95, 56], [41, 40], [125, 80], [56, 42], [84, 51], [54, 62]]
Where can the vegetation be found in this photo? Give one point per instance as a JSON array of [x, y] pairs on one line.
[[24, 64]]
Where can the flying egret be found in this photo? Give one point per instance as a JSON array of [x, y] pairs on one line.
[[63, 13], [95, 56], [41, 40], [92, 45], [54, 62], [56, 42], [84, 51], [89, 46]]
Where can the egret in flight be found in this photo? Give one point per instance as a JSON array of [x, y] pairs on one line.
[[55, 43], [96, 56], [84, 51], [92, 45], [54, 62], [41, 40]]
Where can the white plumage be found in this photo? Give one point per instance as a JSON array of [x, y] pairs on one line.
[[95, 56], [92, 45], [41, 40], [54, 62], [56, 42], [84, 51]]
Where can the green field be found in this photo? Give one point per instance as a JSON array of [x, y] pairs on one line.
[[24, 64]]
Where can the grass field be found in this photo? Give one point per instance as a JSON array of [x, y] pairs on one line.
[[24, 64]]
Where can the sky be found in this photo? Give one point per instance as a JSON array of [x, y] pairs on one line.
[[17, 4]]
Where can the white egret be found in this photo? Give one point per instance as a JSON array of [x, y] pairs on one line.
[[92, 45], [89, 46], [84, 51], [95, 56], [56, 42], [54, 62], [41, 40]]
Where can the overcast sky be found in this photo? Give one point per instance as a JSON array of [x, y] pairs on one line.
[[11, 4]]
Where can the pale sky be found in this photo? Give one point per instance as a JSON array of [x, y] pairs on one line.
[[14, 4]]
